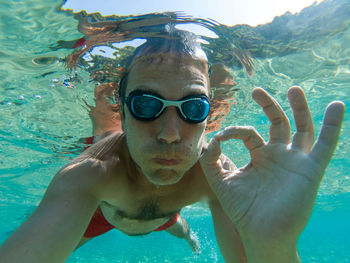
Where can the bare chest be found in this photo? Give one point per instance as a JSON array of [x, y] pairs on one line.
[[137, 217], [135, 213]]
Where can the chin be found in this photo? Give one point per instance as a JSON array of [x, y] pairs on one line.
[[164, 177]]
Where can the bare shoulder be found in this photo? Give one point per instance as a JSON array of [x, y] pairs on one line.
[[96, 169], [108, 145]]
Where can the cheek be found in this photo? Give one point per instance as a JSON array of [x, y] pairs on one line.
[[133, 127], [136, 146], [133, 131], [196, 139], [139, 137]]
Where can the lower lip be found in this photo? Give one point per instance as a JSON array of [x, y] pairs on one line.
[[167, 162]]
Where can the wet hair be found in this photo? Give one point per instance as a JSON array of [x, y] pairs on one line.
[[172, 45]]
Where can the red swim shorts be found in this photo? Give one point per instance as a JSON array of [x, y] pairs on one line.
[[89, 141]]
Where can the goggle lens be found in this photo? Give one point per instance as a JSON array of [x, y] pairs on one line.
[[196, 109], [145, 107]]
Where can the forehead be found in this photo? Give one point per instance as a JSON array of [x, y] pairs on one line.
[[175, 78]]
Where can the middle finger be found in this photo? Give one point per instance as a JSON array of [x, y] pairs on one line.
[[304, 137], [280, 127]]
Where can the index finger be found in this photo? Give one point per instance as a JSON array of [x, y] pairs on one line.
[[328, 138]]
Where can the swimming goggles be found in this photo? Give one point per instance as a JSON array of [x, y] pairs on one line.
[[146, 106]]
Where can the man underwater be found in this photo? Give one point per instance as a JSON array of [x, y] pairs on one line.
[[141, 177]]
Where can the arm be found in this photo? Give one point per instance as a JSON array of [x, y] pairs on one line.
[[52, 232], [226, 235]]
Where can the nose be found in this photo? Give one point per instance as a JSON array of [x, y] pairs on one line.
[[169, 130]]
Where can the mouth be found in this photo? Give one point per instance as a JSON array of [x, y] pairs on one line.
[[167, 161]]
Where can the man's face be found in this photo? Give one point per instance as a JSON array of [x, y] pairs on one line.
[[165, 148]]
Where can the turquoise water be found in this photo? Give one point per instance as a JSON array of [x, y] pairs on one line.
[[42, 121]]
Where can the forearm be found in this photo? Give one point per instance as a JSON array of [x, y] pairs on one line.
[[52, 232], [227, 236], [239, 245], [49, 235], [260, 251]]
